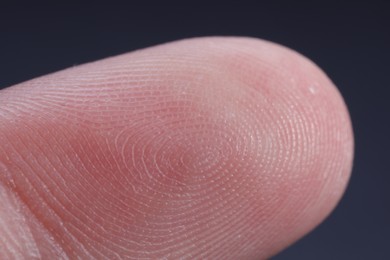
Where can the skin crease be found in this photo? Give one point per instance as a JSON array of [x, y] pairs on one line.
[[208, 148]]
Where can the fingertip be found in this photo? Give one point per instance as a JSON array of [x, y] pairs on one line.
[[220, 147]]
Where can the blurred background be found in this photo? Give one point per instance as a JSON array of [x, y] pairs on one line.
[[349, 40]]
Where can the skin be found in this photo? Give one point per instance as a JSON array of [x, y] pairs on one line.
[[208, 148]]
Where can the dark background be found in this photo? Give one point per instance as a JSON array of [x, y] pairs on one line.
[[349, 40]]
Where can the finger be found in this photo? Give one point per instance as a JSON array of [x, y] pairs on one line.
[[220, 148]]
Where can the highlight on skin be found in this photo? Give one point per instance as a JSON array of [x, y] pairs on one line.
[[207, 148]]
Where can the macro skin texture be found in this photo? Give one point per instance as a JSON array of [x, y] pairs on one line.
[[208, 148]]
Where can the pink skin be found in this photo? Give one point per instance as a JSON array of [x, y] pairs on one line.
[[216, 148]]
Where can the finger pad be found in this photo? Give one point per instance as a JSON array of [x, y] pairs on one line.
[[210, 147]]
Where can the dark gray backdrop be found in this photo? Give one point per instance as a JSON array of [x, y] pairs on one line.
[[349, 40]]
